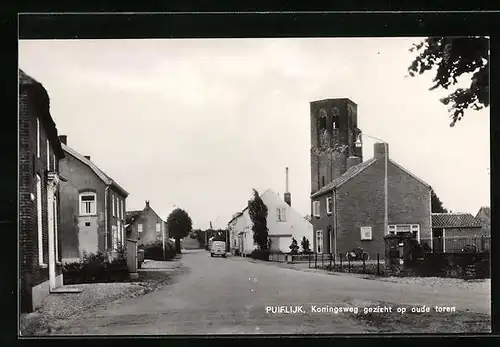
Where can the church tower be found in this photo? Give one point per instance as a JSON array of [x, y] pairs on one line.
[[334, 132]]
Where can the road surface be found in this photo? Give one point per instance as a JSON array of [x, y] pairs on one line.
[[230, 296]]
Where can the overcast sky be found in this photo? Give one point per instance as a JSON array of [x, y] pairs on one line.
[[198, 123]]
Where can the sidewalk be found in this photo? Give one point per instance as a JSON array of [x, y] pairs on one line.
[[482, 286]]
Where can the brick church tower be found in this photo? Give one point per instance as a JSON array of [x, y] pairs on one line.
[[334, 131]]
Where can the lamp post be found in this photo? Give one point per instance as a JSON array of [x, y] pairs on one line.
[[386, 217]]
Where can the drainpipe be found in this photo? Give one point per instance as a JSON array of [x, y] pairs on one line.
[[106, 219], [335, 231]]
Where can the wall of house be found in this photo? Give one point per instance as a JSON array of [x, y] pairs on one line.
[[34, 277], [80, 233], [360, 202], [148, 219]]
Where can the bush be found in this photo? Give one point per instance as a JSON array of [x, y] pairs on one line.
[[97, 267], [260, 254], [154, 250]]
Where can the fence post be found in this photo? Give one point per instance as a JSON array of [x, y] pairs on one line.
[[348, 264], [315, 260], [322, 261], [331, 256], [341, 267], [309, 260], [334, 262], [378, 264], [364, 268]]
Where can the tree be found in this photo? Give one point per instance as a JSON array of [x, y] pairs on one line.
[[436, 204], [454, 57], [179, 226], [305, 245], [258, 214]]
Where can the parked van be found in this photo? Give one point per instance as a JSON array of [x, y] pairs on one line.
[[218, 246]]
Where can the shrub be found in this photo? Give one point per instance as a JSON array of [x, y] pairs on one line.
[[294, 247], [154, 250], [260, 254], [305, 246], [97, 267]]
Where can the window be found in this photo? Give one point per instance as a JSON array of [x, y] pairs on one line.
[[37, 137], [281, 214], [48, 155], [158, 227], [119, 208], [113, 201], [366, 233], [319, 241], [114, 232], [316, 209], [119, 232], [87, 204], [139, 228], [322, 181], [329, 205], [39, 218]]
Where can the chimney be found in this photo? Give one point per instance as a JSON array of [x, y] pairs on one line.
[[288, 196], [63, 139], [352, 160], [87, 156], [379, 150], [147, 203]]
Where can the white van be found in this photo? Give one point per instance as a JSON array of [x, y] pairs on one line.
[[218, 248]]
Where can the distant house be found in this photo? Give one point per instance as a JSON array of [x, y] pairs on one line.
[[39, 204], [92, 207], [283, 223], [453, 231], [484, 217], [145, 226]]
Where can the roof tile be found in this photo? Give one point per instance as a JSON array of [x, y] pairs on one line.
[[454, 220]]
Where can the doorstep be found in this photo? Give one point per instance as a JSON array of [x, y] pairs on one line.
[[64, 290]]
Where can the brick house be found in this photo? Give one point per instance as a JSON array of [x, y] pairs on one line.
[[145, 226], [452, 231], [39, 154], [348, 195], [92, 207], [484, 217]]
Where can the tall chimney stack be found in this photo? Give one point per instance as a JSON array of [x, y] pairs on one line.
[[147, 203], [288, 196]]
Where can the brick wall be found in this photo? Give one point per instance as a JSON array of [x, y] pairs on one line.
[[360, 202], [31, 272]]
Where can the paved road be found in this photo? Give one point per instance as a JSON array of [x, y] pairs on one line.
[[229, 296]]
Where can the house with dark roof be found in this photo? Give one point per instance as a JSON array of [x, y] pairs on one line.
[[39, 203], [452, 232], [484, 217], [146, 226], [348, 194], [93, 207]]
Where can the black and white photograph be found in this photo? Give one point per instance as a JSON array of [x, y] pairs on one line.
[[254, 186]]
